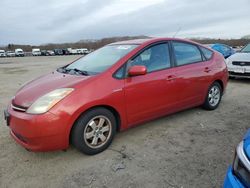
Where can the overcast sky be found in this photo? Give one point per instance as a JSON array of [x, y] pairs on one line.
[[49, 21]]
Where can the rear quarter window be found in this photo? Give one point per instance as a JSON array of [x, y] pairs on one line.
[[207, 53]]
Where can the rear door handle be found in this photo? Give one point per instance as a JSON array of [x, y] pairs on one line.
[[207, 69], [170, 78]]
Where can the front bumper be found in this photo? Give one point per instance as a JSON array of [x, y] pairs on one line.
[[231, 181], [7, 117], [239, 71], [20, 55], [44, 132]]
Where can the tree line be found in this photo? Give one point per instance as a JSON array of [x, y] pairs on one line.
[[95, 44]]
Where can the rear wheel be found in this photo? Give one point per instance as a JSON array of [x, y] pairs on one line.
[[213, 96], [94, 131]]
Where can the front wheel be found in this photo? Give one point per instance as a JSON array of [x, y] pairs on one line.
[[94, 131], [213, 97]]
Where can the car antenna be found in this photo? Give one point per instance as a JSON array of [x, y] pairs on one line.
[[179, 29]]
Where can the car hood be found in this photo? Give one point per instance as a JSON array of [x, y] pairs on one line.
[[31, 91], [240, 57], [247, 144]]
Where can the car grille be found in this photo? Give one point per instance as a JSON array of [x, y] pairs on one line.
[[241, 63], [18, 108], [241, 168]]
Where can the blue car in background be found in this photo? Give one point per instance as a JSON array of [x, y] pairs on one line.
[[238, 175], [224, 49]]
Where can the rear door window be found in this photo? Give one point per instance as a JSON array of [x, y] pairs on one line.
[[186, 53]]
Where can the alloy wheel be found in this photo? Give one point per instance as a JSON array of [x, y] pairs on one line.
[[97, 132], [214, 95]]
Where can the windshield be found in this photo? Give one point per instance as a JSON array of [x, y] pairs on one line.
[[101, 59], [246, 49]]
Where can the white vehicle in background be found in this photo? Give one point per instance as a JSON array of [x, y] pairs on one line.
[[90, 51], [82, 51], [19, 52], [237, 48], [2, 53], [74, 51], [10, 54], [70, 50], [50, 53], [238, 64], [36, 52]]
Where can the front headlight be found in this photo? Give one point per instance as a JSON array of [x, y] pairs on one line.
[[47, 101]]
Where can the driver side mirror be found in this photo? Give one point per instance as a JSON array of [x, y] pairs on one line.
[[137, 70]]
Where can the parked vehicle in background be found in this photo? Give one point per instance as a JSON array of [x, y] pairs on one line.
[[10, 54], [237, 48], [224, 49], [238, 175], [82, 51], [114, 88], [50, 53], [43, 52], [19, 52], [74, 51], [66, 51], [239, 64], [58, 51], [70, 51], [90, 51], [36, 52], [47, 53], [2, 53]]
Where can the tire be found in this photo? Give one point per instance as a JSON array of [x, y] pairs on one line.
[[90, 130], [212, 100]]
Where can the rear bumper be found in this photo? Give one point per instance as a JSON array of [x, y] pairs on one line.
[[231, 181], [43, 132]]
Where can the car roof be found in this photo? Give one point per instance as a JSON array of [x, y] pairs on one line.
[[149, 40], [134, 41]]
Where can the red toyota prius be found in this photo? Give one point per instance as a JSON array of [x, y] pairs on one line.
[[116, 87]]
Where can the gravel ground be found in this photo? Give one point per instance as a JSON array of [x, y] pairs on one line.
[[192, 148]]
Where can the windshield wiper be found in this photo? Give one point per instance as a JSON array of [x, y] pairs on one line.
[[78, 71], [62, 70], [72, 71]]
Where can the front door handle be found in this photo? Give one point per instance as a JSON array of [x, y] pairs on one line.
[[170, 78]]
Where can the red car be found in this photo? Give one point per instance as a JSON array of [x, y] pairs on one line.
[[114, 88]]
